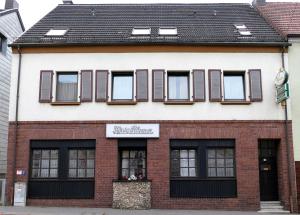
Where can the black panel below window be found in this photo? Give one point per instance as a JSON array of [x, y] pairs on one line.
[[61, 189], [203, 188]]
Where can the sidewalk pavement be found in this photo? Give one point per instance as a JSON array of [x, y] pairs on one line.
[[108, 211]]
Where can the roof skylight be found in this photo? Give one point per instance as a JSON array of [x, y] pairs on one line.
[[141, 31], [56, 32], [169, 31], [245, 33]]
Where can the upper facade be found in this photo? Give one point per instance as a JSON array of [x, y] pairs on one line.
[[148, 62]]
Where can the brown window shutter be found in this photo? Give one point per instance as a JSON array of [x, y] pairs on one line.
[[199, 85], [46, 78], [158, 79], [86, 92], [101, 85], [255, 85], [142, 85], [215, 91]]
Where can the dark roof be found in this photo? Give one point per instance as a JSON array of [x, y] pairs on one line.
[[112, 24], [284, 16], [5, 12]]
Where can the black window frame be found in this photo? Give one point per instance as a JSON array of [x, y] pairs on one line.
[[61, 187], [233, 74], [178, 73], [66, 73], [202, 186], [118, 74]]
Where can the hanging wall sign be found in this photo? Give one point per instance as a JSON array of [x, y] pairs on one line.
[[132, 130]]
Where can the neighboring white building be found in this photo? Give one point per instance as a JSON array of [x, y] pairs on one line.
[[11, 27], [179, 96]]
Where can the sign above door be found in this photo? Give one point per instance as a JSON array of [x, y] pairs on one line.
[[132, 130]]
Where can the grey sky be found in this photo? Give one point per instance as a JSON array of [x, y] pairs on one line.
[[33, 10]]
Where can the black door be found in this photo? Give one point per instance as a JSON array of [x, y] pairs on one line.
[[268, 170]]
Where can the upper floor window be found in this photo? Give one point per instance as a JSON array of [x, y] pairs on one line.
[[234, 88], [178, 85], [67, 87], [3, 44], [122, 86]]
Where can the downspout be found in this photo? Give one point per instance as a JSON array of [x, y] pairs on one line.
[[16, 126], [287, 141]]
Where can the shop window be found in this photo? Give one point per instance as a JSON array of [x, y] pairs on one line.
[[122, 86], [234, 88], [178, 86], [183, 163], [81, 163], [202, 169], [67, 87], [44, 163], [220, 162], [133, 163]]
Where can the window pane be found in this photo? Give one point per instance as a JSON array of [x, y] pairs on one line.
[[81, 154], [178, 87], [211, 163], [175, 154], [53, 173], [54, 163], [125, 163], [229, 153], [192, 153], [220, 153], [183, 153], [45, 154], [90, 173], [220, 163], [122, 87], [90, 163], [36, 164], [192, 172], [45, 163], [35, 173], [54, 154], [36, 154], [211, 172], [175, 168], [133, 154], [192, 163], [67, 87], [184, 172], [229, 172], [220, 172], [45, 173], [91, 154], [81, 173], [125, 173], [72, 154], [81, 164], [125, 154], [211, 153], [229, 162], [72, 163], [72, 173], [184, 163], [234, 87]]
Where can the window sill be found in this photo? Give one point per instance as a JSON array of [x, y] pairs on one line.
[[121, 103], [235, 102], [126, 181], [65, 103], [179, 103]]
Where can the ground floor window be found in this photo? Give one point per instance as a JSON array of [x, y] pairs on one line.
[[202, 168], [59, 166]]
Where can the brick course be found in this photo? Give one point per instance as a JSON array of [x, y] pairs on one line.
[[245, 133]]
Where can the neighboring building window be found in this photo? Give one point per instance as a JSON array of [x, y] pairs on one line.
[[220, 162], [133, 162], [178, 86], [81, 163], [44, 163], [234, 88], [122, 86], [183, 163], [3, 44], [67, 87]]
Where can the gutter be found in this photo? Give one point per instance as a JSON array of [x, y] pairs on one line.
[[16, 127], [293, 207]]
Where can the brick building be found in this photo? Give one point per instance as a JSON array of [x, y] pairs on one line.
[[172, 100]]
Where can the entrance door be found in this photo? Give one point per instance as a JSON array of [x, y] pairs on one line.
[[268, 170]]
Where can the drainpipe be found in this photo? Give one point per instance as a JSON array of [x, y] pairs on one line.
[[287, 142], [16, 126]]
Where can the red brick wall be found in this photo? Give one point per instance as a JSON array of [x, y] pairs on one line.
[[246, 134], [297, 164]]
